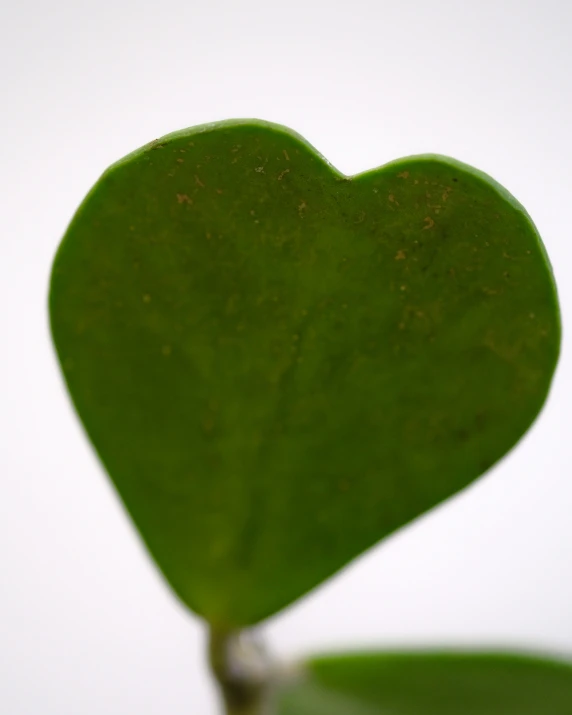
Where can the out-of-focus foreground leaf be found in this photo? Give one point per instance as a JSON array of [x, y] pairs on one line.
[[430, 684]]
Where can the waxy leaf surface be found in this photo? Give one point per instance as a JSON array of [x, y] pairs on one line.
[[279, 365]]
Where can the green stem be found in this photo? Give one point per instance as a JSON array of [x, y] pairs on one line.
[[242, 670]]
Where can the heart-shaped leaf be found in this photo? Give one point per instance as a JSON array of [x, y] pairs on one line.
[[279, 365], [430, 684]]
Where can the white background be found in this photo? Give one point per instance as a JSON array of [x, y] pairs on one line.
[[86, 625]]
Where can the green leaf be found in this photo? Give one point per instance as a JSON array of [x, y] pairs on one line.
[[430, 684], [279, 365]]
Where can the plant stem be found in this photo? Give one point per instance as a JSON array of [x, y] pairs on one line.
[[242, 669]]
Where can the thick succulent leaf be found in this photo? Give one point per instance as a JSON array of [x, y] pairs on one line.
[[430, 684], [279, 365]]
